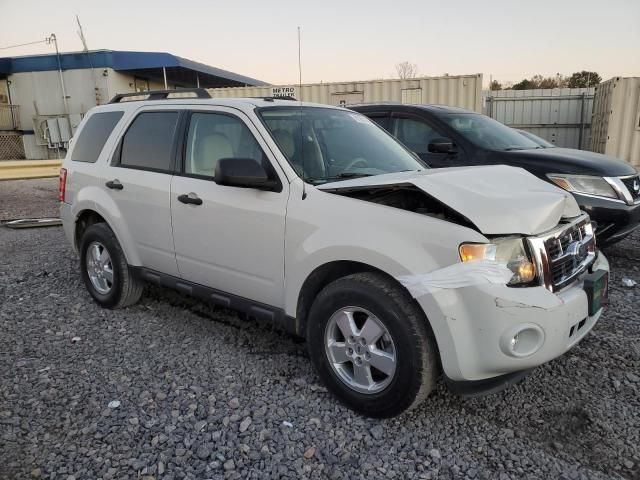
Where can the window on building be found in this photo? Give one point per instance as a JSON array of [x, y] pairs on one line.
[[94, 135], [141, 84], [148, 143]]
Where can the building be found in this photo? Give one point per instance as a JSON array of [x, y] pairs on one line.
[[454, 90], [616, 119], [43, 97]]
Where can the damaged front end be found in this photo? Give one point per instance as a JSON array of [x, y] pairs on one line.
[[405, 197], [535, 230]]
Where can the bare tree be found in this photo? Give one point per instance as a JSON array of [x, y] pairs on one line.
[[406, 70]]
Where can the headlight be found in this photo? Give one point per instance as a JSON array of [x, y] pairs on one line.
[[583, 184], [509, 252]]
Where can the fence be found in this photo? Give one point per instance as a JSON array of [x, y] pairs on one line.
[[11, 146], [561, 116], [9, 117]]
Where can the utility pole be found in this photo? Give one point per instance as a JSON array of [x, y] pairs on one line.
[[52, 39]]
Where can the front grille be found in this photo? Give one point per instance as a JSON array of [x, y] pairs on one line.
[[633, 185], [568, 252]]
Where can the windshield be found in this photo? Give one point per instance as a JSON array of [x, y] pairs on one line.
[[540, 141], [488, 133], [335, 144]]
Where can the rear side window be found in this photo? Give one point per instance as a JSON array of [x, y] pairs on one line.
[[94, 135], [148, 143]]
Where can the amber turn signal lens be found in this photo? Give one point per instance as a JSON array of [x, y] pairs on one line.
[[562, 183], [477, 251]]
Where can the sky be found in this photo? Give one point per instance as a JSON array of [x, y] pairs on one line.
[[347, 40]]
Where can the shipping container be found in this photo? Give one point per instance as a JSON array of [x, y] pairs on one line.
[[615, 122], [561, 116], [459, 91]]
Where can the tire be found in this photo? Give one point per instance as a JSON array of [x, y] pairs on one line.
[[122, 288], [364, 297]]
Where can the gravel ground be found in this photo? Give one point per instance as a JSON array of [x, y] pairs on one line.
[[202, 393]]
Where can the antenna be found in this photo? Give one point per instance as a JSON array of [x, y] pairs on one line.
[[304, 185]]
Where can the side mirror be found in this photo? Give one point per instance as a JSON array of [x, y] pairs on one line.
[[441, 145], [244, 173]]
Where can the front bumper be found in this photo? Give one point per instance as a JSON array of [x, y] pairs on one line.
[[474, 325], [614, 218]]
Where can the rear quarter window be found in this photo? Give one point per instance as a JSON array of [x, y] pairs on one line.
[[94, 135]]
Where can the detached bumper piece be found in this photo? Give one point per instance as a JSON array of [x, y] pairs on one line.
[[488, 386], [33, 223]]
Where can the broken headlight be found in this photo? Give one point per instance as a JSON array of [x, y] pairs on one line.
[[588, 184], [510, 252]]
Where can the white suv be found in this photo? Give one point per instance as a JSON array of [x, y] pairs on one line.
[[314, 218]]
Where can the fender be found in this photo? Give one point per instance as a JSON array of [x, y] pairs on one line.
[[412, 243], [96, 199]]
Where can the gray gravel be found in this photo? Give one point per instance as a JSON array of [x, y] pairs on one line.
[[170, 388]]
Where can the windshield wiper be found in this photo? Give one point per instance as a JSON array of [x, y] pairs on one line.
[[339, 176], [352, 175]]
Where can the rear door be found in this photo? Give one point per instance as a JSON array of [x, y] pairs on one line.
[[139, 182], [233, 240]]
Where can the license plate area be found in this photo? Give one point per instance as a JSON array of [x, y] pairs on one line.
[[596, 286]]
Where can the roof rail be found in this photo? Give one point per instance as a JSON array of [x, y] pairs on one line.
[[271, 99], [159, 94]]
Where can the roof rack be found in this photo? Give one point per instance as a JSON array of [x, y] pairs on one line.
[[159, 94]]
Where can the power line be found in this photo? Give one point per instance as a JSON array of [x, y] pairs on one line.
[[23, 44]]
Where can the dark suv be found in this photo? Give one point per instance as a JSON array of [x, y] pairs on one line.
[[606, 188]]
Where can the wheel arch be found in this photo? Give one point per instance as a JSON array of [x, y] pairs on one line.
[[329, 272], [89, 216]]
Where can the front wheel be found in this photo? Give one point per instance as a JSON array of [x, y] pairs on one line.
[[370, 343]]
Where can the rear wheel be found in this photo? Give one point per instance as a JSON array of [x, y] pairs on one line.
[[104, 269], [371, 345]]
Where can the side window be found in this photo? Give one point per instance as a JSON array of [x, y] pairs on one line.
[[415, 134], [148, 143], [383, 120], [94, 135], [213, 136]]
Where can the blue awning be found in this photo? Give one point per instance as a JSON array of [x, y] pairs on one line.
[[139, 63]]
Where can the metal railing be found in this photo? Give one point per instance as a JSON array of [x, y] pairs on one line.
[[9, 117]]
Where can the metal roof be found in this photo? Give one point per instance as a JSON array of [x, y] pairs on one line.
[[134, 62]]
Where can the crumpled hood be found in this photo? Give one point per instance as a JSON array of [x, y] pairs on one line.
[[499, 199]]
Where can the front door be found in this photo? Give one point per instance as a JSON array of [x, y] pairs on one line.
[[416, 134], [233, 240]]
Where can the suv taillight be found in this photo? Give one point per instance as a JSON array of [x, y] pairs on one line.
[[63, 184]]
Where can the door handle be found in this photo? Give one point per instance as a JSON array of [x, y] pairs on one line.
[[114, 184], [192, 199]]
